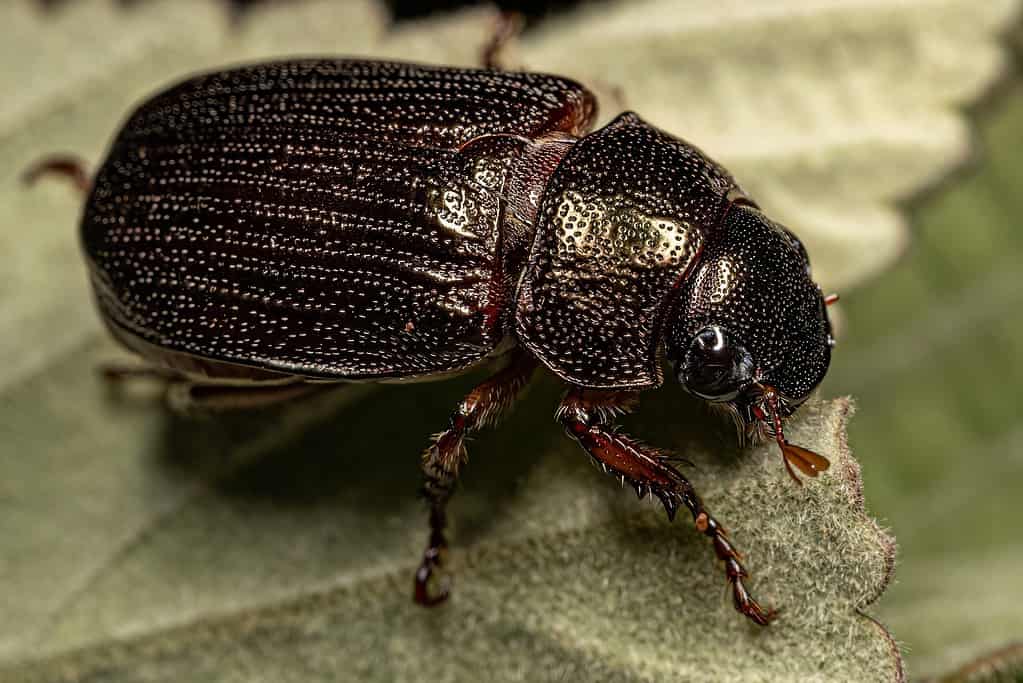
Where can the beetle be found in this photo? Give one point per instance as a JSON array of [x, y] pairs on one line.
[[260, 232]]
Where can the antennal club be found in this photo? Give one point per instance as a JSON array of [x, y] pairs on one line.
[[809, 463]]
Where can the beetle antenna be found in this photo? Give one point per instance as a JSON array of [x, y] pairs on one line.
[[779, 435], [809, 463]]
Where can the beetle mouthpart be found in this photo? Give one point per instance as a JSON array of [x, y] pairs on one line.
[[830, 299], [809, 463]]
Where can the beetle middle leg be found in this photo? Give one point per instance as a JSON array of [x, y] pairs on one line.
[[482, 407], [588, 418], [507, 26]]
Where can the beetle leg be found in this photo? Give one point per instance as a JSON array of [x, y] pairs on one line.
[[507, 26], [588, 418], [189, 397], [482, 407], [68, 166], [185, 396]]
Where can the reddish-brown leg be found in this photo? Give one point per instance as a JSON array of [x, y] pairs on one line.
[[482, 407], [70, 167], [588, 418], [507, 26]]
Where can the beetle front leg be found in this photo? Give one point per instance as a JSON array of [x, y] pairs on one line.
[[588, 418], [482, 407]]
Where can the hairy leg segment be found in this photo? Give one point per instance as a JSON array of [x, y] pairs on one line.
[[588, 417], [482, 407]]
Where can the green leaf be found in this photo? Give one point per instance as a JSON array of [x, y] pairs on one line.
[[1004, 665], [267, 572], [934, 356], [139, 546]]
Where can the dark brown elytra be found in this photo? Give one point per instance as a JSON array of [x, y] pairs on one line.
[[263, 232]]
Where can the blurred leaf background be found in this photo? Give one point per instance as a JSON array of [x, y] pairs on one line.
[[828, 112], [932, 354]]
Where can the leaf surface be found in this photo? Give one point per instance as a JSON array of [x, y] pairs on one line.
[[935, 362]]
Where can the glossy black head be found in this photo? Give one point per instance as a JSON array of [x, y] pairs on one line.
[[750, 318], [716, 366]]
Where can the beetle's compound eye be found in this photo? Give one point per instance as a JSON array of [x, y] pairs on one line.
[[716, 367]]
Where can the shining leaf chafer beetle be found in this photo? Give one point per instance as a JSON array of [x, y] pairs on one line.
[[259, 232]]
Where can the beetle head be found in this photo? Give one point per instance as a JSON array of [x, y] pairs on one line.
[[751, 331]]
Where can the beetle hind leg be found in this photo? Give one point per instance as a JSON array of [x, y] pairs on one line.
[[587, 417], [482, 407], [63, 165], [186, 396], [189, 397]]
